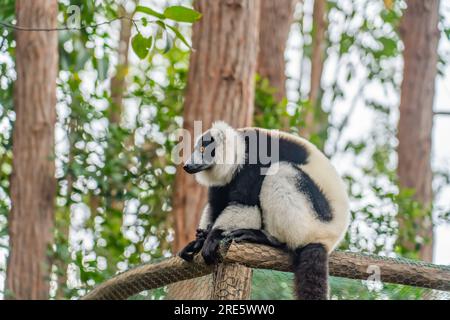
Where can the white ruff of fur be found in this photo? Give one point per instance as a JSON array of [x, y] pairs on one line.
[[229, 156]]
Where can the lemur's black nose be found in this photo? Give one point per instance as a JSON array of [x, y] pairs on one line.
[[194, 168], [190, 168]]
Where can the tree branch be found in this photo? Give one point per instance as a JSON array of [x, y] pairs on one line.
[[441, 113], [21, 28], [342, 264]]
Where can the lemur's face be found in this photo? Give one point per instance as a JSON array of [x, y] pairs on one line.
[[217, 155], [202, 157]]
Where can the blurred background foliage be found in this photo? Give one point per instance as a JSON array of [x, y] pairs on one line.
[[115, 177]]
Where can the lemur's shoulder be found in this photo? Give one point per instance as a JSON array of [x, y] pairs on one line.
[[281, 135], [297, 144]]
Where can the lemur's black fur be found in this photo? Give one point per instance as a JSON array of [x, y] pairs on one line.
[[308, 187], [194, 247], [310, 262], [311, 272]]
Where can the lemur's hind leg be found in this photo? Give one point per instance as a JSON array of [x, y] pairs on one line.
[[254, 236], [233, 217]]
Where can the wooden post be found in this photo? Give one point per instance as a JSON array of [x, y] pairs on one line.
[[231, 281]]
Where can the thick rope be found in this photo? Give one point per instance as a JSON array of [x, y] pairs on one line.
[[342, 264]]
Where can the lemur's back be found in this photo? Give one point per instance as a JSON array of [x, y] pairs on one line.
[[310, 158], [318, 178]]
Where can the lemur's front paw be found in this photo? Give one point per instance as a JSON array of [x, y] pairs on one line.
[[202, 233], [188, 252], [210, 251], [194, 247]]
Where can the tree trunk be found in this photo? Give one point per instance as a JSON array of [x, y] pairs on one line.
[[220, 87], [33, 184], [118, 85], [317, 61], [420, 36], [276, 20]]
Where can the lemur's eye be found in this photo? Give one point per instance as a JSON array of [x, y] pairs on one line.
[[202, 149]]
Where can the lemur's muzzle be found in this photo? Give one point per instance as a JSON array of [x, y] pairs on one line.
[[192, 167]]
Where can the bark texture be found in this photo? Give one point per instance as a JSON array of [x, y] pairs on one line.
[[320, 26], [220, 87], [276, 21], [230, 282], [118, 85], [420, 35], [33, 183]]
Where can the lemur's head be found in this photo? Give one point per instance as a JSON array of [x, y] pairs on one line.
[[218, 154]]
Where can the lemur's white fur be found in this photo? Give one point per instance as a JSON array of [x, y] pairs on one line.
[[239, 217], [289, 216], [287, 213], [205, 218], [230, 155]]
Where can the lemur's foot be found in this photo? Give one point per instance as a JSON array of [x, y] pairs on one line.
[[210, 251], [254, 236], [194, 247]]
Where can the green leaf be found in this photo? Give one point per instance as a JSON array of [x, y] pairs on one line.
[[179, 35], [141, 45], [150, 11], [389, 46], [182, 14]]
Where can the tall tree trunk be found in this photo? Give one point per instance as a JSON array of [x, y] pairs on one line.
[[220, 87], [275, 23], [118, 85], [317, 61], [33, 184], [420, 35]]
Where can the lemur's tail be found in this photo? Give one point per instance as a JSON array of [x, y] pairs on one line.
[[311, 272]]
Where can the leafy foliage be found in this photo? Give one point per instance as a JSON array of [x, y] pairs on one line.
[[142, 45]]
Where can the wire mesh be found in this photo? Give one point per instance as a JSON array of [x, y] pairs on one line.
[[277, 285], [354, 276]]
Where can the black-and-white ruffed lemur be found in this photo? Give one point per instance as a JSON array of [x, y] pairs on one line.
[[273, 188]]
